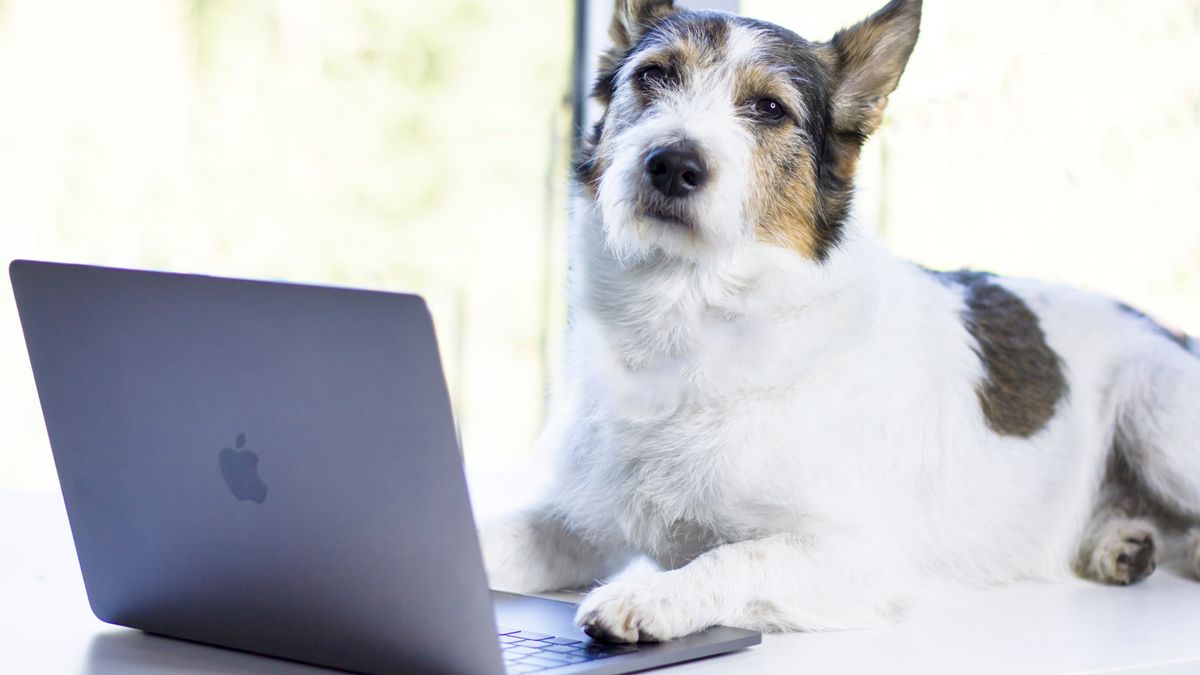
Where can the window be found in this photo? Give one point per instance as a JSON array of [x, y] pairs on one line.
[[391, 144], [423, 146]]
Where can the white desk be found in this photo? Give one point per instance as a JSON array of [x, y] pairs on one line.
[[46, 626]]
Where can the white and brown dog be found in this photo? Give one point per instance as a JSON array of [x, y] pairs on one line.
[[801, 429]]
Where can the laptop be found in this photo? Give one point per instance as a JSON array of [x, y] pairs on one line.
[[273, 468]]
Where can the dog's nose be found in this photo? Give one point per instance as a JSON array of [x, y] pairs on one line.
[[676, 170]]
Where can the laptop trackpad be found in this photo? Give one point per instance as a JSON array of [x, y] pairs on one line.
[[523, 612]]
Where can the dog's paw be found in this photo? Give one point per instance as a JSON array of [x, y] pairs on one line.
[[1125, 554], [642, 611]]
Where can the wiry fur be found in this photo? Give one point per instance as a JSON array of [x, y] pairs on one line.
[[793, 423]]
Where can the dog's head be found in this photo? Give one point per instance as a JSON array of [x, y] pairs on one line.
[[720, 130]]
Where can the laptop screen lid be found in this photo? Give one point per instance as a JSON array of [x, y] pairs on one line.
[[269, 467]]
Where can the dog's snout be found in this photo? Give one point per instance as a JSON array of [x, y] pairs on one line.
[[676, 170]]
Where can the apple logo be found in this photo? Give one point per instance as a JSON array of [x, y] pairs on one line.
[[240, 469]]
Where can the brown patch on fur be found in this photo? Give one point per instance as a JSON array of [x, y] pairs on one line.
[[787, 194], [796, 203], [782, 177], [753, 81], [1025, 380]]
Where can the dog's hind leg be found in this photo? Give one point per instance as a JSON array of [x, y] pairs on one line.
[[1158, 426], [1121, 545], [1158, 429]]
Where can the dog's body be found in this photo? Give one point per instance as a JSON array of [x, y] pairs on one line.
[[801, 429]]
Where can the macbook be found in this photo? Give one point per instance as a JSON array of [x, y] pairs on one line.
[[273, 468]]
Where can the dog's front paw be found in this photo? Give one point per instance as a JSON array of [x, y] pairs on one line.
[[642, 611]]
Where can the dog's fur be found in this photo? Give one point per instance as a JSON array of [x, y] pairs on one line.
[[801, 429]]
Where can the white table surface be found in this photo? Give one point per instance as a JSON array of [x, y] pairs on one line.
[[1078, 627]]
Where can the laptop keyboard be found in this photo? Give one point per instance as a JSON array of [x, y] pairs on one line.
[[528, 652]]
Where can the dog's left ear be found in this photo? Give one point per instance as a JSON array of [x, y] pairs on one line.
[[631, 19], [869, 58]]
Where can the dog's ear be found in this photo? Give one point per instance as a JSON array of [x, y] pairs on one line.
[[869, 58], [631, 19]]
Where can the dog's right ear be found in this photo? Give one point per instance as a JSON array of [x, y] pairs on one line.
[[632, 18], [870, 57]]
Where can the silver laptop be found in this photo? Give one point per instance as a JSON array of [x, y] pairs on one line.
[[273, 468]]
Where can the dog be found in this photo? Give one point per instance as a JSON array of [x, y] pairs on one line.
[[800, 429]]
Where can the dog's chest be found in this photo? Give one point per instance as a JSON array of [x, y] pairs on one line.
[[672, 503], [679, 472], [694, 439]]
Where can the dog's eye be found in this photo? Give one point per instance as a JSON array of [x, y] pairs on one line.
[[653, 76], [769, 109]]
